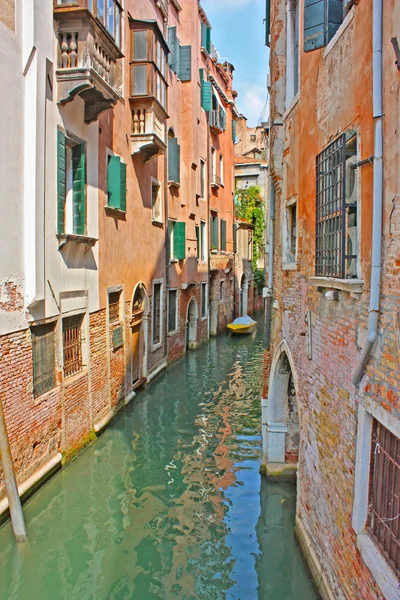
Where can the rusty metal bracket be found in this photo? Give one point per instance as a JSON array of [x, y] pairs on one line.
[[396, 49]]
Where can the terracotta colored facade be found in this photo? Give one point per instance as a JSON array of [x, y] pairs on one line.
[[313, 412]]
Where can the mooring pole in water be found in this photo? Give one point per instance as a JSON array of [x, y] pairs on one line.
[[14, 501]]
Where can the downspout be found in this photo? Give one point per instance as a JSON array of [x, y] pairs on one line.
[[271, 219], [377, 102]]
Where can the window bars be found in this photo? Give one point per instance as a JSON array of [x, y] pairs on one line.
[[113, 306], [72, 345], [384, 500], [331, 210]]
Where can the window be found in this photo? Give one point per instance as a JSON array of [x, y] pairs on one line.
[[156, 201], [384, 501], [253, 137], [116, 183], [203, 241], [206, 37], [177, 240], [71, 186], [174, 159], [205, 92], [214, 232], [172, 311], [221, 290], [156, 313], [336, 227], [43, 358], [214, 177], [114, 307], [148, 64], [290, 234], [180, 57], [292, 50], [202, 178], [108, 12], [221, 169], [72, 344], [322, 19], [203, 300], [223, 235]]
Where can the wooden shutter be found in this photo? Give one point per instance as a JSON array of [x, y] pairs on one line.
[[169, 247], [214, 233], [174, 160], [61, 176], [223, 234], [185, 63], [198, 240], [78, 188], [234, 237], [206, 92], [234, 131], [267, 21], [114, 187], [123, 187], [322, 19], [180, 240]]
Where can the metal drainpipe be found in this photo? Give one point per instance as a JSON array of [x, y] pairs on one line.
[[377, 101], [271, 219]]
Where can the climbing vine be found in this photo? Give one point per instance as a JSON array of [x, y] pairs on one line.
[[249, 207]]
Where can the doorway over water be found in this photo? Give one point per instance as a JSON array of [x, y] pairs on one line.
[[139, 333], [281, 425], [191, 325], [243, 295]]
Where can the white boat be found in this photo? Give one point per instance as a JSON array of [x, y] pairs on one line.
[[242, 325]]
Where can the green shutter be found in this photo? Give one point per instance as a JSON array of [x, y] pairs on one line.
[[78, 189], [234, 237], [234, 131], [322, 19], [267, 21], [169, 247], [185, 63], [174, 160], [180, 240], [123, 187], [206, 92], [116, 183], [206, 37], [223, 234], [174, 47], [61, 167], [198, 240], [214, 233]]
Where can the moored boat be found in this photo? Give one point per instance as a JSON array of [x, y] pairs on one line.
[[242, 325]]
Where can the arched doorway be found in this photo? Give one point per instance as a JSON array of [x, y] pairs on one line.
[[281, 423], [139, 334], [243, 295], [191, 325]]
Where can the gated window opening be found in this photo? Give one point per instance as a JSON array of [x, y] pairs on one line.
[[113, 306], [156, 314], [384, 499], [43, 358], [172, 311], [203, 300], [72, 345], [336, 209], [156, 201]]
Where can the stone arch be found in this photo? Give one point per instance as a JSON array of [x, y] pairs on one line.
[[244, 286], [281, 417], [140, 309], [192, 317]]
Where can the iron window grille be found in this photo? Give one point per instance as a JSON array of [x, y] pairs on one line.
[[384, 500], [43, 355], [203, 300], [113, 306], [172, 311], [157, 313], [72, 345]]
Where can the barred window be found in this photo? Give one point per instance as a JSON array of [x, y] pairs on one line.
[[172, 311], [336, 210], [113, 306], [384, 502], [72, 344], [156, 313], [43, 357], [203, 299]]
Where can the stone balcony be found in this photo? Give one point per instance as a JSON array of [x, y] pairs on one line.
[[220, 261], [148, 134], [87, 60]]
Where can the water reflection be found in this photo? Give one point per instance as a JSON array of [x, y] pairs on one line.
[[167, 503]]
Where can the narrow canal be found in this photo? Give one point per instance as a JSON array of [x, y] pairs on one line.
[[168, 503]]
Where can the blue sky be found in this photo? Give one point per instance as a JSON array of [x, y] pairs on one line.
[[238, 34]]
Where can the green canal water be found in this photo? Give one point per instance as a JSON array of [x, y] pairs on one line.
[[168, 503]]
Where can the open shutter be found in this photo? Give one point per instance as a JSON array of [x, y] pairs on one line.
[[123, 187], [180, 240], [267, 21], [169, 247], [116, 188], [206, 92], [206, 37], [185, 63], [174, 48], [234, 131], [322, 19], [198, 240], [234, 237], [61, 172], [223, 235], [174, 160], [78, 188], [215, 233]]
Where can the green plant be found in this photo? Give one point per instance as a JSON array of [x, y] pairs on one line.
[[259, 280], [249, 207]]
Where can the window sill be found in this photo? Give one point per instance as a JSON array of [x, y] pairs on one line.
[[68, 238], [157, 222], [376, 563], [116, 213], [355, 286], [294, 101], [214, 251], [204, 318], [289, 267], [173, 261], [156, 346], [175, 184], [171, 333]]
